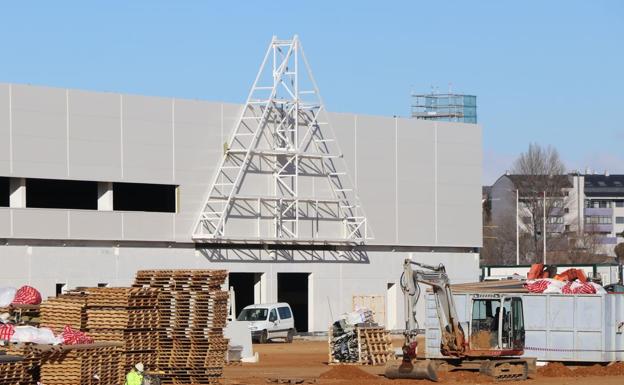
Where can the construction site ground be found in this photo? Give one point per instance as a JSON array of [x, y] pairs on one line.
[[307, 360]]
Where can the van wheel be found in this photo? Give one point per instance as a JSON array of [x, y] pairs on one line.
[[264, 337], [290, 336]]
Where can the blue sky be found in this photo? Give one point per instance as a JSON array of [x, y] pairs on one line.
[[550, 72]]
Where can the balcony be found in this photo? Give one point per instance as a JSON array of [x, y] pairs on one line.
[[555, 227], [595, 212], [598, 228], [607, 240]]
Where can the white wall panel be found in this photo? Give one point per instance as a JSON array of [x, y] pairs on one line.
[[376, 180], [5, 222], [43, 223], [198, 148], [416, 182], [84, 224], [39, 132], [148, 226], [147, 139], [458, 184], [5, 137], [94, 136]]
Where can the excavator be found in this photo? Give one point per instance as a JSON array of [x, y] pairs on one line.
[[491, 342]]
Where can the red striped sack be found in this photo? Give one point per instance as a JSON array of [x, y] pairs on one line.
[[27, 295], [567, 289], [75, 337], [585, 288], [6, 331], [537, 286]]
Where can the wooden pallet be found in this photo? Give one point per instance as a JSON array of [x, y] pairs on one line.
[[192, 313], [374, 346]]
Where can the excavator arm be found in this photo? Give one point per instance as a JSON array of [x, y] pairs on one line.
[[453, 337]]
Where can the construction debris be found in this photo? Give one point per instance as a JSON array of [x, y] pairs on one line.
[[355, 339]]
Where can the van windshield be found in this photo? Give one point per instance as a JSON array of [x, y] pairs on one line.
[[253, 315]]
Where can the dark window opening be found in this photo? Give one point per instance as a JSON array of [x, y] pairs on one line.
[[292, 288], [5, 191], [144, 197], [244, 288], [61, 194], [60, 288]]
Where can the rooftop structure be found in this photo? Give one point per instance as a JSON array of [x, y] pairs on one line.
[[445, 107]]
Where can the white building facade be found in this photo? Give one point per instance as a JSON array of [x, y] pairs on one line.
[[95, 186]]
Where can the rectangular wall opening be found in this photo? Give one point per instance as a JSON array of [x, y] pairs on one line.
[[293, 289], [60, 288], [144, 197], [61, 194], [5, 191], [245, 289]]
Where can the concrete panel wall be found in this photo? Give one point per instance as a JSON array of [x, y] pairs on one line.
[[39, 131], [332, 285], [147, 139], [419, 181], [94, 136], [5, 130], [458, 167], [416, 182]]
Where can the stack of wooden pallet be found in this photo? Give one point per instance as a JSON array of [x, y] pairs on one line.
[[362, 345], [193, 312], [99, 363], [67, 309], [128, 316], [11, 370]]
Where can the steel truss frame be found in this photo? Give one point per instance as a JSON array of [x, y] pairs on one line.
[[282, 133]]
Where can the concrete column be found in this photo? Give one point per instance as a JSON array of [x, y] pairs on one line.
[[259, 288], [105, 196], [17, 191]]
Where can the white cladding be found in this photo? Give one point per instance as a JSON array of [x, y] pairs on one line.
[[419, 181]]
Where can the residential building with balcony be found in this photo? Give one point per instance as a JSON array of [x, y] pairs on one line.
[[591, 205]]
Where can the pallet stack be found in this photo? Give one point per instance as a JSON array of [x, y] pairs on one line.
[[193, 310], [128, 316], [93, 364], [11, 370], [66, 309]]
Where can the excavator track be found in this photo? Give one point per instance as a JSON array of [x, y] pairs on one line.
[[506, 370]]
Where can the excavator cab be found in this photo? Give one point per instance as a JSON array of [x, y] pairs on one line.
[[497, 325]]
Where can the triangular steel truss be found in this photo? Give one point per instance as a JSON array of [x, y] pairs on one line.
[[280, 151]]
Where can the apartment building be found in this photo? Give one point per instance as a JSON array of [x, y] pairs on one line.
[[588, 204]]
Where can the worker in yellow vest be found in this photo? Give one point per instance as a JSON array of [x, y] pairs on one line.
[[135, 376]]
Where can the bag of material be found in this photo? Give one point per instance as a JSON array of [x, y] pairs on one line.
[[34, 335], [27, 295], [7, 295]]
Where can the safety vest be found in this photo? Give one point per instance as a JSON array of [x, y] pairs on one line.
[[134, 378]]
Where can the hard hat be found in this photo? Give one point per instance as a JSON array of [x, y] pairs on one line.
[[139, 367]]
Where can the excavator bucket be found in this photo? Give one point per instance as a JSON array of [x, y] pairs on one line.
[[418, 370]]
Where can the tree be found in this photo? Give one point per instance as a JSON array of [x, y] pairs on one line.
[[619, 251], [540, 176]]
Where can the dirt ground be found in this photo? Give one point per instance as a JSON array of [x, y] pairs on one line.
[[308, 360]]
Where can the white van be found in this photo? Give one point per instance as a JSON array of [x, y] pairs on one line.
[[269, 320]]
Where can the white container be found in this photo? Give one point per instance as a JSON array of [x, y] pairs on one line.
[[580, 327]]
